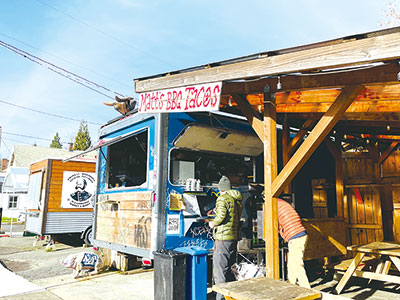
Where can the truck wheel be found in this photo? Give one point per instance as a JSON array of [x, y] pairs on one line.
[[87, 236]]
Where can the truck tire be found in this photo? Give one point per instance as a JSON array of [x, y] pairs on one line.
[[87, 236]]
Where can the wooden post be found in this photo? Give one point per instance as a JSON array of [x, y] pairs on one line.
[[373, 152], [336, 153], [270, 214], [285, 149], [317, 135]]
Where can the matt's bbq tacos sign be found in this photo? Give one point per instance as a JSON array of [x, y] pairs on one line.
[[203, 97], [78, 190]]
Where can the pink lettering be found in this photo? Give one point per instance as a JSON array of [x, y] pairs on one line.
[[189, 91], [199, 97], [143, 102], [214, 99], [178, 100], [207, 97]]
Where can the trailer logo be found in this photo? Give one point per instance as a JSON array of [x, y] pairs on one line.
[[78, 190]]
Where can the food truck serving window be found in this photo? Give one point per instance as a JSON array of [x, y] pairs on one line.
[[127, 161], [209, 167]]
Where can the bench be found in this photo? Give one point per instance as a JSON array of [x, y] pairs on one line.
[[345, 264], [264, 288]]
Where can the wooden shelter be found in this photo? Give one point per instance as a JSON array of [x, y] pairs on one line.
[[344, 93]]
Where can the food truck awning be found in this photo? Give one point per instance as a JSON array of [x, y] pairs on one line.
[[206, 138]]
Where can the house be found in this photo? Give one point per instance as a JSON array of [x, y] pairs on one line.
[[14, 191], [14, 195]]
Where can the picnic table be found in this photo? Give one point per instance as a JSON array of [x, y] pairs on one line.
[[264, 288], [385, 253]]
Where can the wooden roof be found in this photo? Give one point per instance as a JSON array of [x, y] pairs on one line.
[[311, 78], [350, 85]]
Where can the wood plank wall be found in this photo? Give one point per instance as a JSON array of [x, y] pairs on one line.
[[391, 167], [56, 180], [391, 205], [320, 199], [363, 191], [125, 219], [36, 168]]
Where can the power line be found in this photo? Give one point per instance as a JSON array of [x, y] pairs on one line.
[[61, 71], [27, 136], [45, 113], [4, 143], [17, 141], [106, 34], [63, 59]]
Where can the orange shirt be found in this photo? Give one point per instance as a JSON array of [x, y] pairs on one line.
[[289, 220]]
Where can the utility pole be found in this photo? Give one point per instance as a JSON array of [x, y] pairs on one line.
[[0, 139]]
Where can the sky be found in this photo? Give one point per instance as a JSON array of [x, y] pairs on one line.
[[112, 42]]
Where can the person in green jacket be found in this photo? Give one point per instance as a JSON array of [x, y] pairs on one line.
[[228, 211]]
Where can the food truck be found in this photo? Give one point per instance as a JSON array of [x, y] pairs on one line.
[[158, 173], [60, 198]]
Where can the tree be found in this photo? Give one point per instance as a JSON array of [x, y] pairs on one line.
[[82, 139], [391, 15], [56, 143]]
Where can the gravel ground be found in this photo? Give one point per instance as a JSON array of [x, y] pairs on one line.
[[33, 262], [43, 268]]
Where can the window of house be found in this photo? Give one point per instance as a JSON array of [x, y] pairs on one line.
[[13, 202], [127, 161]]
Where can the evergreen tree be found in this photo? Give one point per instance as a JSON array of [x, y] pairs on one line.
[[82, 139], [56, 143]]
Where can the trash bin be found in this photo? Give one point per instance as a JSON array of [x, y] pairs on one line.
[[196, 276], [169, 275]]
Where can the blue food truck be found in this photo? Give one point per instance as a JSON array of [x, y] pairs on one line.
[[157, 176]]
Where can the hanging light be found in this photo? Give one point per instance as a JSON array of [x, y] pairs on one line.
[[279, 84], [388, 127]]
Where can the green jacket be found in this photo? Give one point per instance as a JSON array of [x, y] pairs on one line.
[[228, 211]]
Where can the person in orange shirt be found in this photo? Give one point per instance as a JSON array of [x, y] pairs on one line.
[[293, 232]]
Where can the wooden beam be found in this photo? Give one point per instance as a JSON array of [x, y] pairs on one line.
[[387, 152], [384, 116], [317, 135], [385, 47], [336, 153], [377, 106], [353, 266], [296, 141], [373, 75], [250, 115], [270, 208]]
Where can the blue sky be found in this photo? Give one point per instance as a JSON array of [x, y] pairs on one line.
[[111, 42]]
